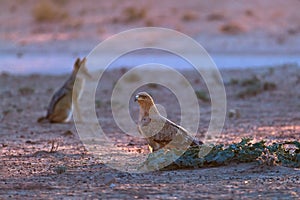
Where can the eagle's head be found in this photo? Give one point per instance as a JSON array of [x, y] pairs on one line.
[[145, 101], [143, 97]]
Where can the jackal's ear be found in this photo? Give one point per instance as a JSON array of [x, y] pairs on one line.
[[83, 61], [77, 63]]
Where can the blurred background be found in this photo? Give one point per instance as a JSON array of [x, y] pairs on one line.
[[46, 36]]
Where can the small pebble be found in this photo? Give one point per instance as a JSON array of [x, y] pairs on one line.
[[109, 179], [234, 113], [68, 132], [60, 169]]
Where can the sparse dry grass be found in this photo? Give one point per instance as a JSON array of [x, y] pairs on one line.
[[252, 87], [131, 78], [54, 146], [231, 28], [152, 85], [74, 24], [133, 14], [215, 16], [189, 16], [149, 22], [46, 11], [26, 91], [61, 2], [249, 13], [98, 103], [202, 95]]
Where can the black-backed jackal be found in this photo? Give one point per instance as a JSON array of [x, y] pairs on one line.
[[61, 105]]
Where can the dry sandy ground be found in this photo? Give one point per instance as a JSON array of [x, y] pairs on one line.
[[29, 170], [220, 26]]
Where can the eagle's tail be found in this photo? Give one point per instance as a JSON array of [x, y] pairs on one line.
[[196, 142]]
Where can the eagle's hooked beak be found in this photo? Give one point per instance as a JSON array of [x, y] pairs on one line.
[[136, 98]]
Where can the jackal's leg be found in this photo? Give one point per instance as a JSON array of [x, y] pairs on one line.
[[57, 119], [77, 109]]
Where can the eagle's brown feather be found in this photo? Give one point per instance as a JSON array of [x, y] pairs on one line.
[[158, 130]]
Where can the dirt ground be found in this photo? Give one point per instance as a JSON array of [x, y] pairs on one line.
[[48, 161], [76, 28], [29, 170]]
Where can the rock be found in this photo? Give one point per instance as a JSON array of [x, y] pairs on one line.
[[60, 169], [234, 113], [68, 133], [109, 179]]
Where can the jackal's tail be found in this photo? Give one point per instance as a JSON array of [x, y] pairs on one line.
[[42, 120]]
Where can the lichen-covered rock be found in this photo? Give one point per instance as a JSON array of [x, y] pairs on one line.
[[206, 156]]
